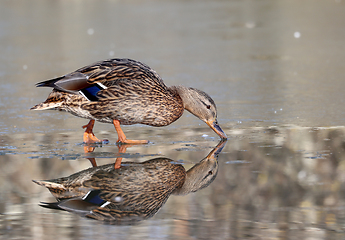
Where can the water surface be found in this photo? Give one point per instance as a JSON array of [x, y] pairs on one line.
[[274, 68]]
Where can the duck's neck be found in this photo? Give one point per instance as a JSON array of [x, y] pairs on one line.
[[188, 186], [185, 95]]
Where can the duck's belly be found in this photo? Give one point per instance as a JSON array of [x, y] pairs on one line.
[[76, 111], [140, 113], [129, 116]]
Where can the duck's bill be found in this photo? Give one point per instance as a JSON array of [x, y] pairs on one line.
[[215, 152], [216, 128]]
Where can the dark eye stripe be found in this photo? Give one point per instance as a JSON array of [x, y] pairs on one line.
[[206, 105]]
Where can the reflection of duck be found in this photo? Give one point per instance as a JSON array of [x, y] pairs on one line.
[[133, 192], [124, 91]]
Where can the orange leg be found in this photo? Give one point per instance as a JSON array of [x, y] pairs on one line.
[[122, 137], [89, 137]]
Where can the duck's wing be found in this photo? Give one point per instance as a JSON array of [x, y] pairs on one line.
[[116, 74], [108, 73], [111, 71]]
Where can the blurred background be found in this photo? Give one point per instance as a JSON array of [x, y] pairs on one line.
[[274, 68]]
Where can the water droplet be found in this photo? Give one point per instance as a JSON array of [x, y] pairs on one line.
[[25, 67], [297, 34], [118, 199], [250, 25], [90, 31]]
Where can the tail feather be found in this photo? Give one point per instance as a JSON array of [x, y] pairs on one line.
[[70, 83], [46, 106], [49, 184], [56, 189], [55, 100], [54, 205], [49, 83]]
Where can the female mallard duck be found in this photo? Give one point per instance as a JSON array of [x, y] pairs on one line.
[[134, 192], [125, 91]]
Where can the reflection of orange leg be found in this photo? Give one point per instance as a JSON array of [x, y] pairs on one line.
[[117, 164], [122, 137], [122, 149], [93, 162], [89, 137], [88, 149]]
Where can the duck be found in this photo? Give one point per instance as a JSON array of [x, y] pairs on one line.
[[123, 91], [132, 193]]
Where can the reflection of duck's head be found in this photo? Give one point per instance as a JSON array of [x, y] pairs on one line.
[[133, 192], [199, 176], [203, 173]]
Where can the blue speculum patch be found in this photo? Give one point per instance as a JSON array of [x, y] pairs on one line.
[[94, 198], [91, 92]]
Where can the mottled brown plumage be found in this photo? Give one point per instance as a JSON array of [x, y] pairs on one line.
[[128, 92], [133, 192]]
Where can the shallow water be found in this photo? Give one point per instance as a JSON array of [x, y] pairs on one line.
[[275, 70]]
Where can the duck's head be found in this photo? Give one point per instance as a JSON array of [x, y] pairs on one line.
[[201, 105]]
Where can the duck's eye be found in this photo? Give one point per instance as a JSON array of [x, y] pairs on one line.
[[210, 173], [208, 106]]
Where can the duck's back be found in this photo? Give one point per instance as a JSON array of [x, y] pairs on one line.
[[109, 72], [115, 89], [135, 93]]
